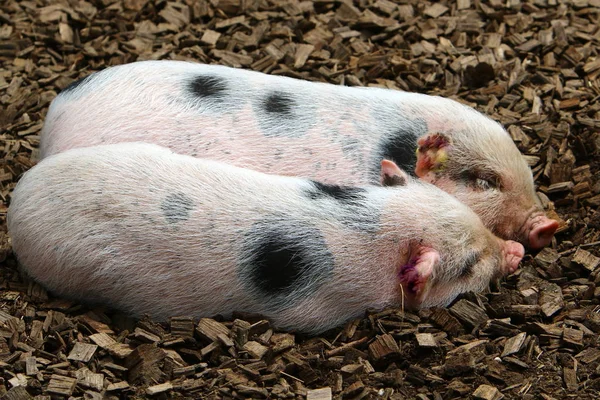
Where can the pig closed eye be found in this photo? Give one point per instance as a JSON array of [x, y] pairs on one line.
[[469, 264], [480, 181], [484, 184]]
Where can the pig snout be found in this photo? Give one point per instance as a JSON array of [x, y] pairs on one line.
[[512, 254], [539, 230]]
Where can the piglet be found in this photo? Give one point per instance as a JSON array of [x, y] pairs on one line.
[[147, 231], [279, 125]]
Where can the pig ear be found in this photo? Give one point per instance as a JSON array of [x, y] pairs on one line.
[[417, 272], [432, 153], [392, 175]]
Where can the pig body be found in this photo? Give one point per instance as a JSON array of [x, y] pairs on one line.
[[148, 231], [285, 126]]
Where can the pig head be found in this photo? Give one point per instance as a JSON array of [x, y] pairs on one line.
[[491, 177]]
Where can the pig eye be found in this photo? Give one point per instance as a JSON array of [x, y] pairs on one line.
[[481, 181], [484, 184], [469, 264]]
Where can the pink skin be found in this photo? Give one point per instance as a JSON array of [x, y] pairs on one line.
[[414, 276], [513, 253], [541, 229], [535, 232], [337, 144], [415, 273]]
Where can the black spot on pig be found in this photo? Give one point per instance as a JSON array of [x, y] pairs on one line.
[[401, 150], [279, 103], [280, 115], [284, 261], [344, 194], [74, 85], [468, 266], [393, 181], [400, 146], [355, 210], [208, 86], [176, 207]]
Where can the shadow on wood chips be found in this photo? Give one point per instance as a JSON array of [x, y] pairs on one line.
[[532, 65]]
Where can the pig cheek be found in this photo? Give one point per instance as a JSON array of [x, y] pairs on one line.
[[440, 295], [514, 216]]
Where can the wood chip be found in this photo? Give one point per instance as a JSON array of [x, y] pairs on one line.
[[589, 355], [16, 393], [122, 385], [487, 392], [586, 259], [383, 346], [514, 344], [89, 379], [469, 313], [435, 10], [156, 389], [426, 340], [210, 329], [61, 385], [319, 394], [82, 352], [255, 349]]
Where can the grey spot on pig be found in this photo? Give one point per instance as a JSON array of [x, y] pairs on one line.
[[284, 261], [176, 207], [78, 83], [208, 86], [393, 181], [279, 103]]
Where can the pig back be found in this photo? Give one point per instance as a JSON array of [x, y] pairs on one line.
[[180, 235], [330, 133], [139, 225]]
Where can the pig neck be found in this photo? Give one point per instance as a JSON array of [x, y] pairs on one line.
[[409, 217]]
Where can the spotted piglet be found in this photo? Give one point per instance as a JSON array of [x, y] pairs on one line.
[[279, 125], [148, 231]]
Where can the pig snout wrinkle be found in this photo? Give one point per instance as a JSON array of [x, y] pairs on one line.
[[537, 229], [542, 232]]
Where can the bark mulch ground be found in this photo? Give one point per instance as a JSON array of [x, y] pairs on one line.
[[532, 65]]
